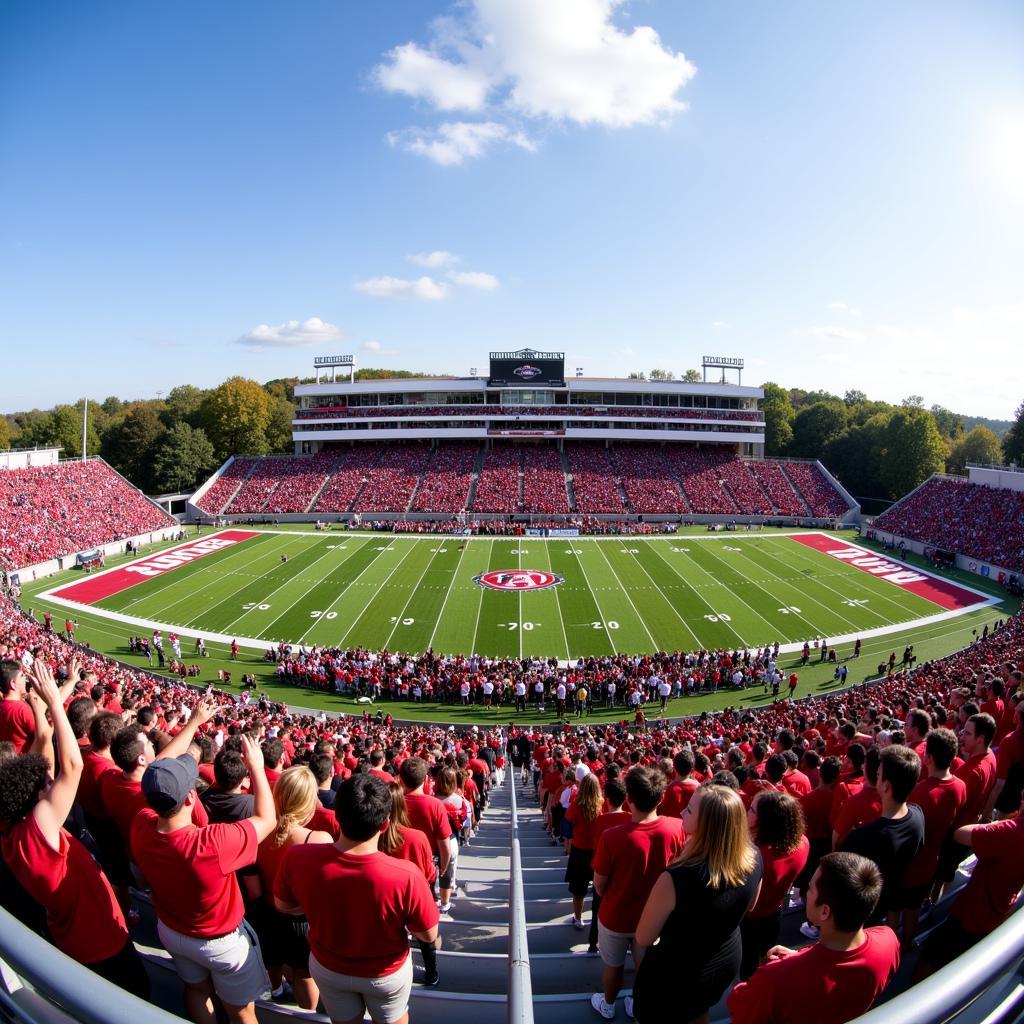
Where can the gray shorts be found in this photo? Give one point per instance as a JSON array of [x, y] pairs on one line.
[[613, 947], [348, 997], [233, 961]]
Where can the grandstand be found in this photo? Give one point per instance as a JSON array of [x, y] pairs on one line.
[[519, 443]]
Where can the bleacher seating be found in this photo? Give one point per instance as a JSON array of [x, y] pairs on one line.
[[47, 511], [544, 482], [784, 498], [593, 479], [498, 487], [985, 523], [815, 488], [350, 471], [446, 481], [221, 490], [647, 480], [744, 488], [698, 471], [390, 484]]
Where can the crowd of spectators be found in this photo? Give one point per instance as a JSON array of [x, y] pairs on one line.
[[390, 484], [283, 484], [445, 484], [544, 490], [648, 481], [50, 511], [779, 488], [498, 485], [745, 488], [986, 523], [343, 486], [594, 479], [224, 487], [816, 489], [699, 472]]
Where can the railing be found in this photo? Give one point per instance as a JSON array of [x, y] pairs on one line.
[[60, 982], [520, 987]]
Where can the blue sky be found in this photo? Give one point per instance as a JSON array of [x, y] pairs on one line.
[[834, 191]]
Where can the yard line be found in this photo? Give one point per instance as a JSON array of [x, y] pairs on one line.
[[291, 579], [412, 593], [451, 583], [558, 605], [597, 604], [479, 607], [654, 643], [520, 550], [653, 545], [412, 548]]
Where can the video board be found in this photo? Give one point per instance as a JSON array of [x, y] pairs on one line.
[[526, 367]]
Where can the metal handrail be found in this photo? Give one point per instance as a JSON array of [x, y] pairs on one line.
[[957, 986], [520, 987], [85, 996]]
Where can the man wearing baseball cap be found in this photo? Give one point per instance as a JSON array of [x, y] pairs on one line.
[[191, 870]]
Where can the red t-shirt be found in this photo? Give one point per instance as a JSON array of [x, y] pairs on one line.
[[359, 907], [416, 850], [81, 911], [192, 872], [998, 876], [780, 871], [1011, 751], [632, 857], [585, 834], [818, 985], [122, 799], [90, 797], [676, 797], [864, 806], [817, 807], [978, 774], [941, 800], [17, 724], [428, 814], [796, 783]]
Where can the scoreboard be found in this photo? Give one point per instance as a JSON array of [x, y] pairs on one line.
[[526, 367]]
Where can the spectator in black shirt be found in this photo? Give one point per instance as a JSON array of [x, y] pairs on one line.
[[224, 801], [894, 839], [322, 767]]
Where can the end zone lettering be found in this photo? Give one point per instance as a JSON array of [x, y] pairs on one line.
[[877, 566], [172, 559]]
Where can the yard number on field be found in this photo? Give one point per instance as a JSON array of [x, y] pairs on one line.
[[253, 606], [323, 615], [790, 609], [719, 617], [610, 624], [405, 622], [513, 626]]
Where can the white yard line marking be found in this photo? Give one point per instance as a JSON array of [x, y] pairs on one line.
[[654, 644], [480, 606], [444, 603], [398, 564], [412, 594], [558, 605]]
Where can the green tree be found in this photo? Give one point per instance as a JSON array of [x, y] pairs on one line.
[[778, 419], [66, 429], [856, 456], [692, 377], [864, 411], [112, 405], [914, 450], [282, 387], [130, 445], [33, 429], [950, 424], [637, 375], [818, 425], [5, 434], [279, 427], [181, 459], [1013, 443], [978, 445], [235, 417], [660, 375], [183, 405], [854, 397], [913, 402]]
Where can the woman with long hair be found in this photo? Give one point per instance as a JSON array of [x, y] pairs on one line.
[[404, 842], [283, 936], [446, 789], [776, 823], [582, 814], [695, 910]]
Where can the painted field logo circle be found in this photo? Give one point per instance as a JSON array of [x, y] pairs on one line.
[[517, 579]]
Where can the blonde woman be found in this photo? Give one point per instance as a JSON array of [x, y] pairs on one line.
[[446, 789], [582, 814], [694, 913], [283, 936]]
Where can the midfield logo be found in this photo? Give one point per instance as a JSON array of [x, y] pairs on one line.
[[527, 372], [518, 579]]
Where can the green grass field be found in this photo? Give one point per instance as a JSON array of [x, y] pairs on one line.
[[618, 595]]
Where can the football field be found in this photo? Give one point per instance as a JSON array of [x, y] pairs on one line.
[[564, 598]]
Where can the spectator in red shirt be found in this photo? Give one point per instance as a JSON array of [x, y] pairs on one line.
[[627, 863], [583, 815], [612, 815], [715, 881], [403, 841], [987, 899], [361, 905], [679, 791], [1009, 784], [840, 976], [777, 826], [82, 913], [817, 806], [17, 723], [428, 814], [862, 806], [191, 871]]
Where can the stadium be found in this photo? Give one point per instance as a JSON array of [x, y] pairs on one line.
[[512, 512]]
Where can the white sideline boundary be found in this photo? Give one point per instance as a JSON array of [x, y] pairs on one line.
[[251, 643]]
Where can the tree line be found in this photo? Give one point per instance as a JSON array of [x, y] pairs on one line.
[[173, 443]]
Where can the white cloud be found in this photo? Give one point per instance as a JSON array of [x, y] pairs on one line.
[[844, 334], [453, 142], [291, 334], [435, 259], [564, 61], [721, 325], [842, 307], [473, 279], [378, 349], [403, 288]]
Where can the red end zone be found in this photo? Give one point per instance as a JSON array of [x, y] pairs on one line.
[[931, 588], [113, 581]]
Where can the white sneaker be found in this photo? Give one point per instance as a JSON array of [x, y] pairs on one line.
[[598, 1003], [577, 923], [445, 909], [628, 1003], [808, 930]]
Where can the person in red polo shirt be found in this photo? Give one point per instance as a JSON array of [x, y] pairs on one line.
[[841, 975], [428, 814], [627, 863], [17, 723], [988, 898], [82, 913], [361, 905], [191, 871]]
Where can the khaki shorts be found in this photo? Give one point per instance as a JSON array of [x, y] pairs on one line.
[[233, 961], [346, 997], [613, 946]]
